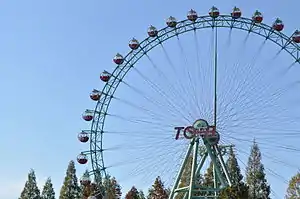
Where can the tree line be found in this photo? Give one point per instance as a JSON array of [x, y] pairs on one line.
[[254, 186]]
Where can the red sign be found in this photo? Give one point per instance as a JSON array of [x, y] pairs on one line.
[[191, 132]]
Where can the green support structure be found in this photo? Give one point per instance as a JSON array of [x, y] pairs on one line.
[[200, 154]]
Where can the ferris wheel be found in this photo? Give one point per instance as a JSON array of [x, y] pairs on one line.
[[206, 82]]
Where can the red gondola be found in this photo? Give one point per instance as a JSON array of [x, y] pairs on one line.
[[118, 59], [171, 22], [82, 159], [88, 115], [257, 17], [296, 36], [134, 44], [214, 12], [192, 15], [95, 94], [83, 137], [105, 76], [152, 31], [278, 25], [236, 13]]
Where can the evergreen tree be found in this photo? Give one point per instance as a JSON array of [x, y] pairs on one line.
[[112, 188], [238, 190], [185, 177], [133, 193], [233, 168], [158, 191], [85, 185], [48, 191], [293, 191], [208, 180], [141, 195], [31, 190], [209, 176], [70, 188], [255, 175]]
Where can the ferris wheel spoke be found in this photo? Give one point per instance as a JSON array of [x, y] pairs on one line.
[[200, 80], [179, 83], [270, 130], [270, 171], [230, 76], [142, 149], [177, 75], [157, 103], [222, 96], [267, 87], [270, 136], [243, 144], [254, 60], [264, 103], [260, 122], [268, 156], [254, 90], [242, 84], [175, 90], [125, 146], [167, 98], [145, 110], [143, 132], [257, 93], [156, 169], [274, 145], [191, 84], [164, 137], [203, 75], [143, 121], [258, 75], [146, 119], [261, 117], [143, 158], [198, 72], [280, 177]]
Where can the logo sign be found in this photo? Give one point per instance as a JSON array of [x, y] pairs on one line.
[[200, 128]]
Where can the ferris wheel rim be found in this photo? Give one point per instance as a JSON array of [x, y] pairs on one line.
[[182, 27]]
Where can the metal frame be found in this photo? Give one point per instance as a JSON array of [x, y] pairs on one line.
[[223, 21], [220, 172]]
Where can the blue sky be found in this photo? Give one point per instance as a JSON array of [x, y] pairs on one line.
[[52, 53]]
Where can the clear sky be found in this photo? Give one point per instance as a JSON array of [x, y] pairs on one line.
[[52, 53]]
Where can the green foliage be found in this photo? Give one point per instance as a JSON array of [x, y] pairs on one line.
[[208, 181], [209, 176], [239, 189], [48, 191], [235, 191], [158, 190], [31, 190], [141, 195], [255, 175], [233, 168], [70, 188], [85, 185], [293, 191], [186, 176], [112, 188], [133, 193]]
